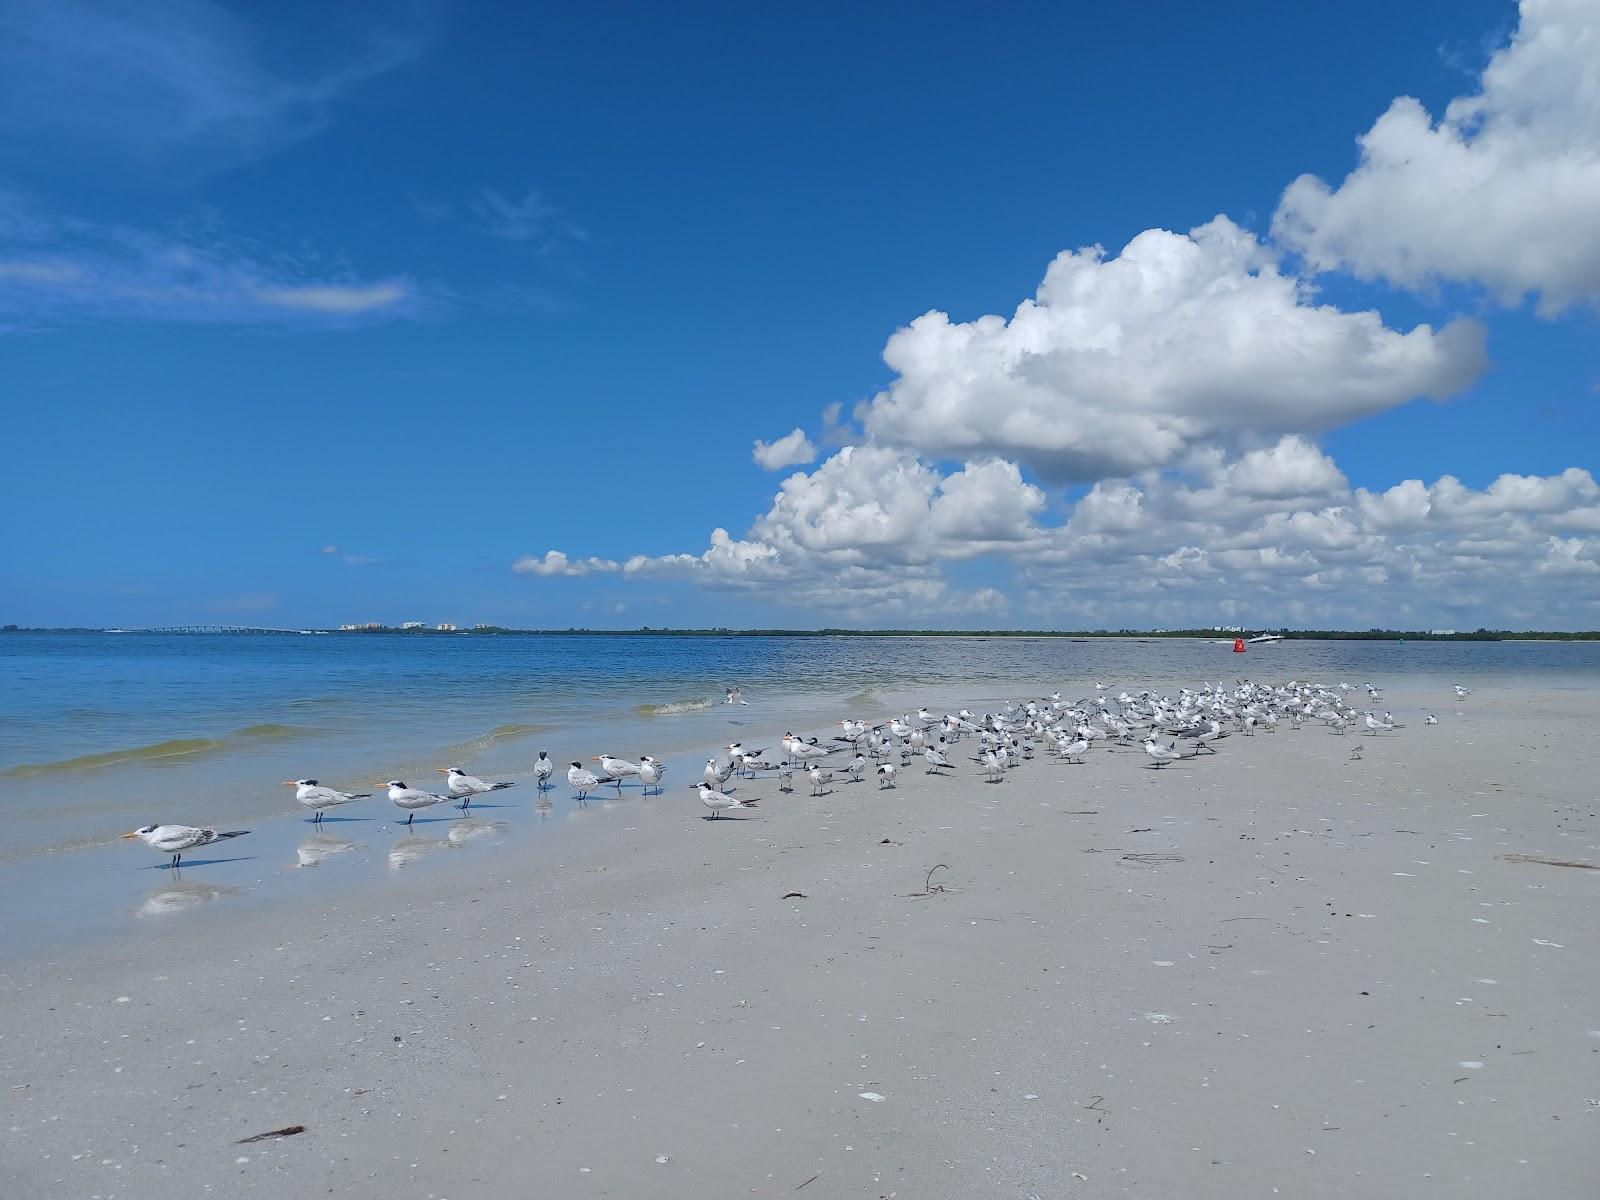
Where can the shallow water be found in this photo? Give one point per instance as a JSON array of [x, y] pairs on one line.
[[100, 733]]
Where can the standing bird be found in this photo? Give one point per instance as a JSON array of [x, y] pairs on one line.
[[413, 800], [719, 802], [886, 773], [820, 779], [467, 786], [858, 768], [1432, 720], [1075, 750], [1462, 692], [715, 774], [543, 769], [992, 767], [616, 769], [650, 774], [936, 761], [583, 779], [176, 839], [803, 751], [1160, 755], [314, 796]]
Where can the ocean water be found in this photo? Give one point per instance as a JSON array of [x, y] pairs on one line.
[[100, 733], [103, 733]]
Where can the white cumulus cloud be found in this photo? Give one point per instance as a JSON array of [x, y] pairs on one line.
[[793, 449], [1504, 190], [1126, 364], [555, 563]]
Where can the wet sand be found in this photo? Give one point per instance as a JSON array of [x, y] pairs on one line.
[[1271, 971]]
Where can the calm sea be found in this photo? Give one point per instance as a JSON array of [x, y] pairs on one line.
[[102, 732]]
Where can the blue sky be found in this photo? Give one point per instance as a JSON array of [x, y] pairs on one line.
[[305, 322]]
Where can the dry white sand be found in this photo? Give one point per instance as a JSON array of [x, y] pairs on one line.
[[1322, 980]]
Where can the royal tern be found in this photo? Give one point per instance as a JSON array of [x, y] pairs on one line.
[[314, 796], [858, 768], [1462, 692], [583, 779], [1075, 750], [993, 770], [886, 773], [1160, 755], [742, 760], [467, 786], [802, 751], [616, 769], [177, 840], [820, 779], [543, 769], [936, 761], [413, 800], [719, 802], [650, 774]]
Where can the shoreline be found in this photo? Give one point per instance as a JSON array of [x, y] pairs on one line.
[[568, 1017]]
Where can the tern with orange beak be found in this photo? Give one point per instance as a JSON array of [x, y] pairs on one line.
[[318, 799], [177, 839]]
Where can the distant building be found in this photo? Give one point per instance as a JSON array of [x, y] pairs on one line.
[[413, 625], [445, 627], [1442, 632], [348, 628]]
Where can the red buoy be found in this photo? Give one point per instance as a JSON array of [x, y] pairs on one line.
[[1238, 645]]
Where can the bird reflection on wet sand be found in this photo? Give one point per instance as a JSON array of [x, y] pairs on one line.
[[318, 847], [412, 849], [175, 895], [474, 829]]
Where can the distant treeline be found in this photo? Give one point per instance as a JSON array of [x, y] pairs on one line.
[[1335, 635], [1327, 635]]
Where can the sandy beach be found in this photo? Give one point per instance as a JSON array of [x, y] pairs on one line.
[[1270, 971]]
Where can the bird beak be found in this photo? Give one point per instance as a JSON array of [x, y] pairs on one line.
[[126, 836], [291, 783], [441, 771]]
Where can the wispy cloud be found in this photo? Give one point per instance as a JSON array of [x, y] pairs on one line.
[[62, 268], [164, 80], [352, 560], [531, 220]]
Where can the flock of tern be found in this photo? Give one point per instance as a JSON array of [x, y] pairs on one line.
[[1169, 729]]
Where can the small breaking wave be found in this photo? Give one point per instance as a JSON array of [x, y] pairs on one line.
[[156, 752], [864, 699], [673, 707], [499, 733]]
